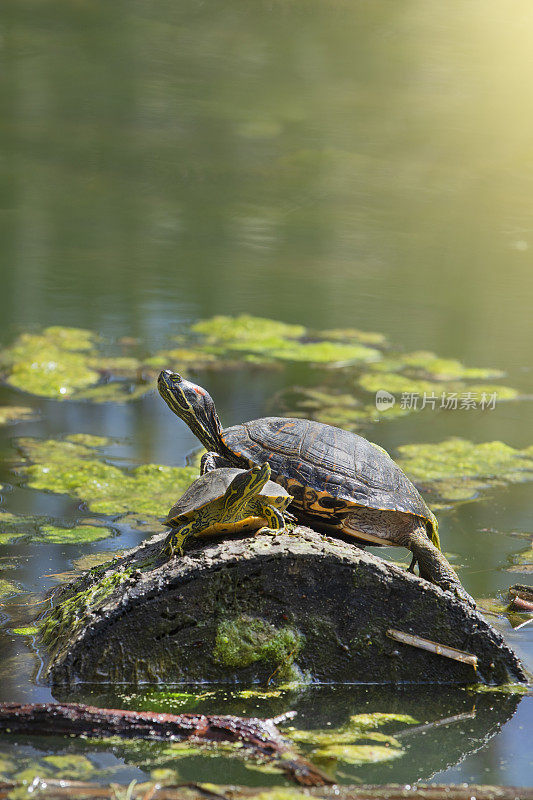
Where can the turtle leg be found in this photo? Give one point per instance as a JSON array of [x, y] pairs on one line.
[[211, 461], [177, 537], [274, 518], [434, 566]]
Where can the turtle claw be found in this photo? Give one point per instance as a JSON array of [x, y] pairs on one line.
[[269, 531]]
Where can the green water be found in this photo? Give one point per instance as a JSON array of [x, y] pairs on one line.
[[338, 164]]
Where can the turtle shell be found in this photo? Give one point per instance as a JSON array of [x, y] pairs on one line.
[[211, 487], [322, 464]]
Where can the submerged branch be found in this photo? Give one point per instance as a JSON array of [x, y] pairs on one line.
[[261, 737]]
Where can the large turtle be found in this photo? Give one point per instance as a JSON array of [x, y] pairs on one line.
[[225, 501], [337, 479]]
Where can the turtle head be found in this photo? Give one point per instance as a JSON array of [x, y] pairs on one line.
[[245, 485], [193, 405]]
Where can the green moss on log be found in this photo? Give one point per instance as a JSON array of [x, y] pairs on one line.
[[243, 640]]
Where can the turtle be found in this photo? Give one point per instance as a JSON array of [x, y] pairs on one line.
[[338, 480], [227, 500]]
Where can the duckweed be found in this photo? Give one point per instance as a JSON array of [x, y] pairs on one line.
[[74, 466], [457, 469], [243, 640]]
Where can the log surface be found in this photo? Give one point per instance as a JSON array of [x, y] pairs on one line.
[[164, 622]]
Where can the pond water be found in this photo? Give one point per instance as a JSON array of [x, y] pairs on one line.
[[334, 165]]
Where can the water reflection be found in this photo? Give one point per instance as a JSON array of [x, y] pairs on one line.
[[336, 165]]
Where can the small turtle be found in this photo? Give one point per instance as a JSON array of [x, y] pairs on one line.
[[338, 480], [226, 501]]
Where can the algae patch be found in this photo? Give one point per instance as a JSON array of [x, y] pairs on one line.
[[457, 469], [243, 640], [65, 363], [75, 466], [54, 363], [80, 534], [250, 339], [355, 743]]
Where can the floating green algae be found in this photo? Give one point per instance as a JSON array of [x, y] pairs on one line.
[[14, 527], [54, 767], [75, 466], [359, 726], [54, 363], [68, 363], [15, 414], [504, 688], [71, 766], [352, 335], [358, 754], [80, 534], [243, 640], [247, 338], [167, 701], [457, 469], [426, 364], [357, 742], [437, 394], [343, 410]]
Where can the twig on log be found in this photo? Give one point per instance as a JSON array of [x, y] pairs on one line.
[[433, 647], [260, 736]]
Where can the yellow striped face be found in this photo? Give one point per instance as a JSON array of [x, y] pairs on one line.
[[193, 405]]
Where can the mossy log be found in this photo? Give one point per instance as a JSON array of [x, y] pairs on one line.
[[297, 606]]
